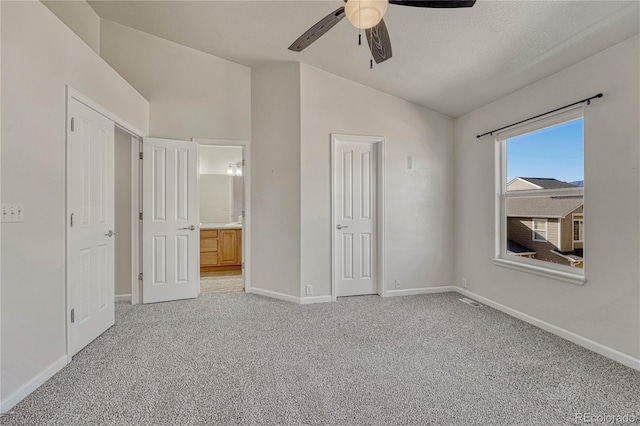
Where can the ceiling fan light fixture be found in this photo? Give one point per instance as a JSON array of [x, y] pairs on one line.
[[365, 14]]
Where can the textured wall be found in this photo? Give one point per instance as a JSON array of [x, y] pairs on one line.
[[419, 201], [191, 94], [275, 177], [40, 55], [606, 309]]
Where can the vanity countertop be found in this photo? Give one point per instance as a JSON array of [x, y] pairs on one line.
[[207, 226]]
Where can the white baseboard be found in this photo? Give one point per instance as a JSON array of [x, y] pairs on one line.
[[594, 346], [123, 298], [288, 298], [274, 294], [414, 291], [9, 402], [314, 299]]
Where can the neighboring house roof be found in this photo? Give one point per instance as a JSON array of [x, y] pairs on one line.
[[515, 248], [544, 183], [552, 207], [574, 256]]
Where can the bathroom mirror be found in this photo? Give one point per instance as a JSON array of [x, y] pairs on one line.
[[221, 185]]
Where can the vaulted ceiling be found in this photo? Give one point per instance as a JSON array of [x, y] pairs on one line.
[[448, 60]]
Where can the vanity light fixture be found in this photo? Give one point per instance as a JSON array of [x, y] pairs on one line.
[[235, 169]]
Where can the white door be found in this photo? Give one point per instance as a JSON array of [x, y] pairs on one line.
[[90, 224], [354, 202], [171, 220]]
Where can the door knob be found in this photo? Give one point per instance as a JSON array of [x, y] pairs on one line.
[[110, 233], [341, 227], [190, 228]]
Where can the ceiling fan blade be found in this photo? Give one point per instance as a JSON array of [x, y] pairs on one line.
[[441, 4], [379, 42], [318, 30]]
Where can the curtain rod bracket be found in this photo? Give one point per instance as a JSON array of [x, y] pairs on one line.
[[587, 101]]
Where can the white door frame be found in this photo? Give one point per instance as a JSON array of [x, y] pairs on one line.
[[379, 142], [135, 133], [246, 226]]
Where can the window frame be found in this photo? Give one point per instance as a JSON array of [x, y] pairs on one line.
[[577, 217], [535, 231], [555, 271]]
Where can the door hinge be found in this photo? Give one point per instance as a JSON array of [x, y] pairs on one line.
[[73, 124], [71, 225], [242, 265], [141, 155], [140, 215], [243, 162], [73, 315], [140, 276]]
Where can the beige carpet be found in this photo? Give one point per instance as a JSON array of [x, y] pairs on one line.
[[242, 359], [221, 282]]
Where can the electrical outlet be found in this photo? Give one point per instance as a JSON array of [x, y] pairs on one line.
[[12, 212], [464, 283], [397, 284], [309, 290]]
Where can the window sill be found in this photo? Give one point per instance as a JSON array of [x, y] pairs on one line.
[[568, 277]]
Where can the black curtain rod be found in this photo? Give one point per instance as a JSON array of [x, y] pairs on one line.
[[587, 100]]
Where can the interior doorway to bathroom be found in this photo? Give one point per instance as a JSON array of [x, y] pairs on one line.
[[222, 218]]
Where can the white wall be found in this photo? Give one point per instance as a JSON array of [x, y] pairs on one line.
[[607, 308], [81, 18], [123, 212], [40, 55], [419, 201], [275, 178], [191, 93]]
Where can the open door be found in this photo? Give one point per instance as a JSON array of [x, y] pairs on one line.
[[90, 224], [170, 222]]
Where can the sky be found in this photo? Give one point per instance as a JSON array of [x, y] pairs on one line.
[[553, 152]]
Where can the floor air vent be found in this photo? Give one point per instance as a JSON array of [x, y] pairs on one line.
[[470, 302]]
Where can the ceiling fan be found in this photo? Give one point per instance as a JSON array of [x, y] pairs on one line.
[[367, 15]]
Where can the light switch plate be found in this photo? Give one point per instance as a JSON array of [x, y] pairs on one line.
[[11, 212]]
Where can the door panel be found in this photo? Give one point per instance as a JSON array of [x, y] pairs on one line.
[[355, 218], [182, 183], [365, 255], [171, 240], [90, 208]]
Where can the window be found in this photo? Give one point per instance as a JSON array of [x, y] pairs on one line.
[[578, 228], [540, 201], [539, 229]]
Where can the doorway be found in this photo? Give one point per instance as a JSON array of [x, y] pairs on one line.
[[357, 165], [222, 217], [125, 156], [245, 241]]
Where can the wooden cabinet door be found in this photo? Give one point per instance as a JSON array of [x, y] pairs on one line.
[[228, 249]]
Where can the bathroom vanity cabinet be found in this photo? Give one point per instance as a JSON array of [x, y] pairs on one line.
[[220, 249]]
